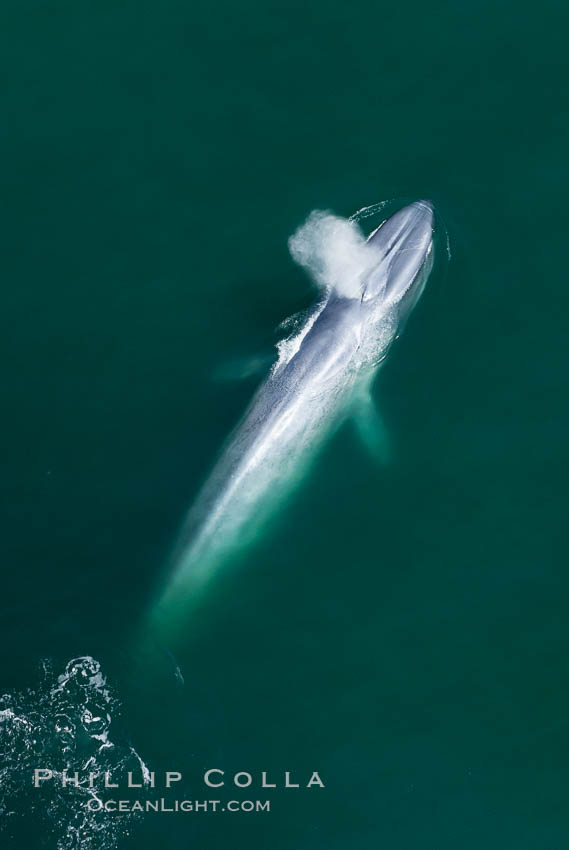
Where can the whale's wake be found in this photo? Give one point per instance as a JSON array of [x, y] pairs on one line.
[[63, 724]]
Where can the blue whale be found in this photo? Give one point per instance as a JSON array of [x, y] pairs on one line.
[[323, 374]]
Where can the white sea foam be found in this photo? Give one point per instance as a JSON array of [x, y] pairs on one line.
[[64, 724], [297, 329]]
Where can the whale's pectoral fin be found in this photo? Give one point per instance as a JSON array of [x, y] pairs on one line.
[[371, 427], [241, 368]]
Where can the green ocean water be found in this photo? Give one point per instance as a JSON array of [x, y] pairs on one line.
[[402, 630]]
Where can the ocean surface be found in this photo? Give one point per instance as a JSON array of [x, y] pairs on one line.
[[402, 629]]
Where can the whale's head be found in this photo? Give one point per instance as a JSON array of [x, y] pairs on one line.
[[371, 285], [403, 248], [399, 261]]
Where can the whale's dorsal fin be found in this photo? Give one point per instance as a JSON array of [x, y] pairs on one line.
[[370, 426]]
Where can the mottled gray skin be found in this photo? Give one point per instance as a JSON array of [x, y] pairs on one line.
[[306, 395]]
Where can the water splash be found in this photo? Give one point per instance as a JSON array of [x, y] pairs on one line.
[[295, 327], [64, 724], [370, 211]]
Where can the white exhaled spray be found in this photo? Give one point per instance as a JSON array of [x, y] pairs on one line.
[[334, 252]]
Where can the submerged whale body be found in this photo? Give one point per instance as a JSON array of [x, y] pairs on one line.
[[323, 373]]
